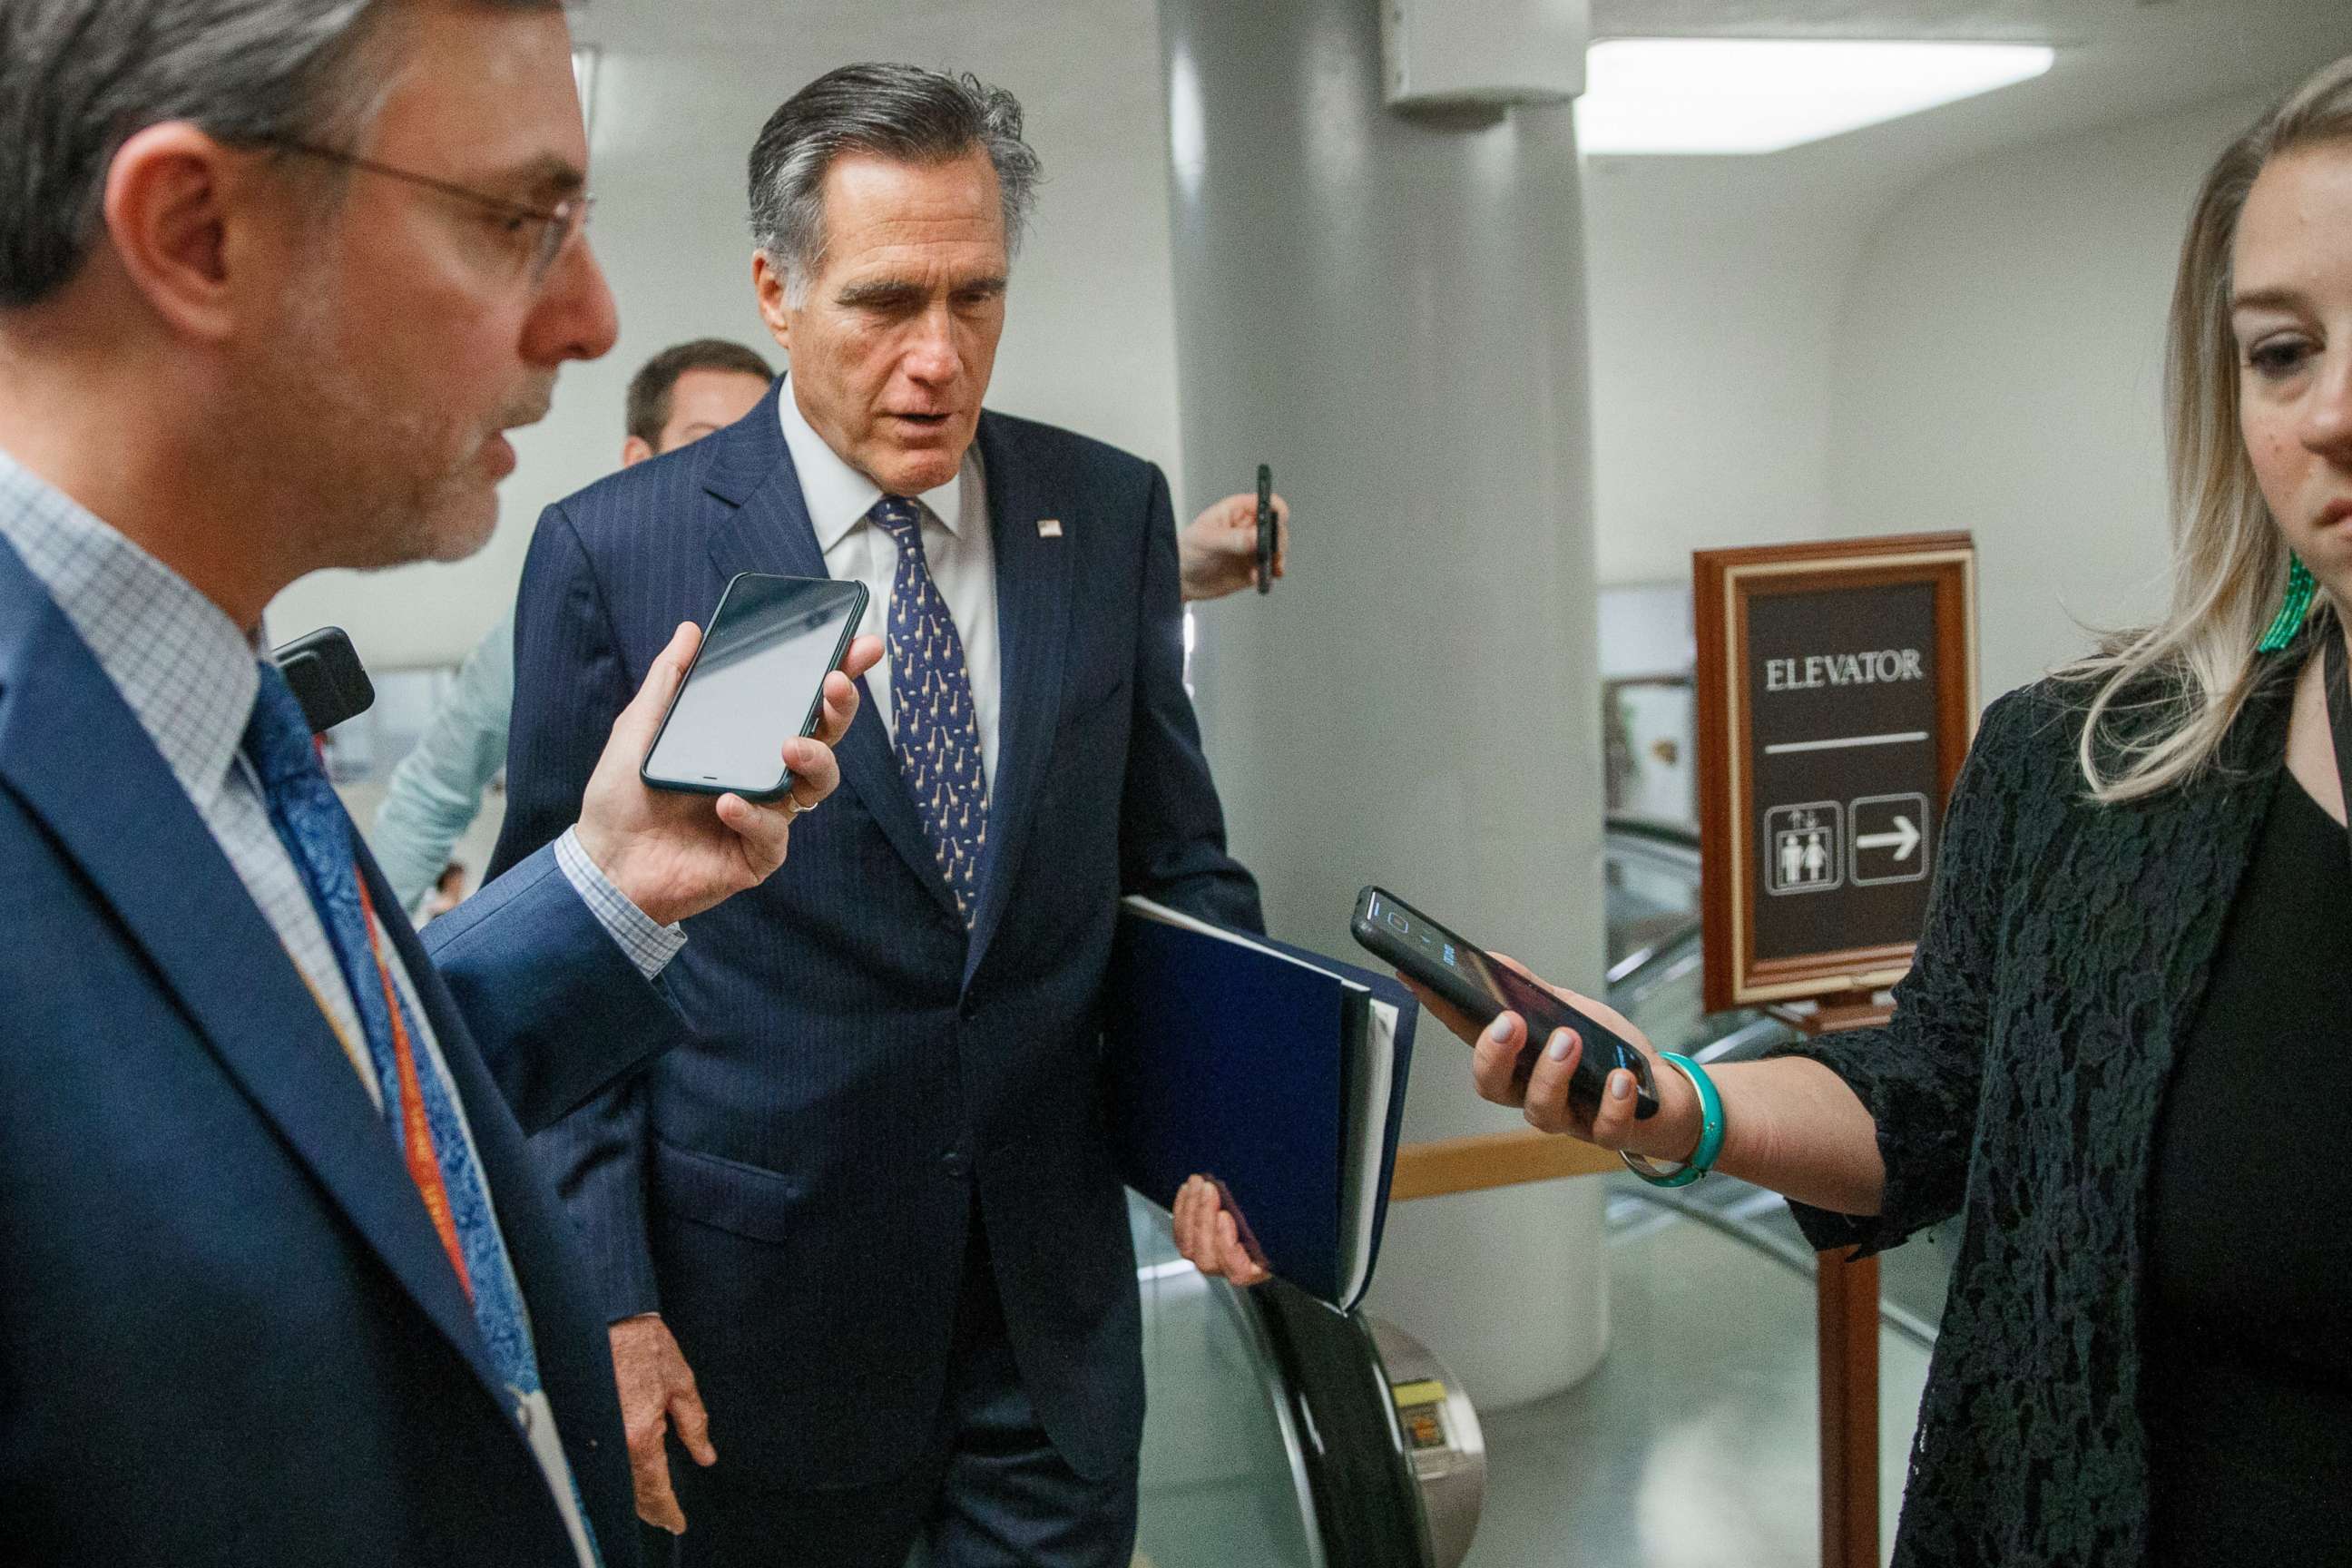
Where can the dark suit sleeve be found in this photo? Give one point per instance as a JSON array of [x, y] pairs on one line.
[[1172, 829], [1920, 1075], [558, 1009], [569, 683]]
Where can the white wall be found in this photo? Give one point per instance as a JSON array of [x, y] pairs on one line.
[[1782, 353], [2000, 360], [1090, 340], [1714, 282]]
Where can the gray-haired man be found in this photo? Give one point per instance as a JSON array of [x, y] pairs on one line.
[[870, 1203]]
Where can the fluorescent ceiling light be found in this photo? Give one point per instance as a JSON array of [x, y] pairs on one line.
[[1760, 95]]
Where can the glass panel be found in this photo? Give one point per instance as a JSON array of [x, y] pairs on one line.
[[1221, 1481]]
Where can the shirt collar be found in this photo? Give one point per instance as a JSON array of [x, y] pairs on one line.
[[838, 497], [181, 664]]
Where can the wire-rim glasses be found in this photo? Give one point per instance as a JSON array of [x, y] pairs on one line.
[[557, 225]]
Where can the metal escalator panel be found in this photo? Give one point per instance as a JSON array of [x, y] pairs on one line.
[[1223, 1478], [1443, 1439], [1280, 1433]]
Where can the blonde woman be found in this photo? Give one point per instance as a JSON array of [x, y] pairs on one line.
[[2125, 1052]]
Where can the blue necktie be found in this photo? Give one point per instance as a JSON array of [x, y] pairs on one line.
[[937, 739], [311, 822]]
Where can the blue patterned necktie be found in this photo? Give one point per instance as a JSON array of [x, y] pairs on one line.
[[937, 739], [311, 822]]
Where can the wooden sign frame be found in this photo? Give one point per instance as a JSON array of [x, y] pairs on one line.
[[1725, 583]]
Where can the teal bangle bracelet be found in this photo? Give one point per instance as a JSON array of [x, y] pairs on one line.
[[1710, 1134]]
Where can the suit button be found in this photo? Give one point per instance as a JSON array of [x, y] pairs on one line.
[[968, 1009], [956, 1163]]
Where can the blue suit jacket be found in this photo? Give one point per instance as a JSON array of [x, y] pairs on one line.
[[228, 1333], [793, 1186]]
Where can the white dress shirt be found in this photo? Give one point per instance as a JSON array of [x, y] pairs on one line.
[[189, 676], [956, 545]]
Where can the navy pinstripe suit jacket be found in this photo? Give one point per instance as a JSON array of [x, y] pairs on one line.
[[791, 1187]]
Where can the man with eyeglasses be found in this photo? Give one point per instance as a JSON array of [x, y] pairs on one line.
[[281, 1285]]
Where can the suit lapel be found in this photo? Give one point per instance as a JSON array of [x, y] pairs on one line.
[[1033, 605], [769, 530], [75, 754]]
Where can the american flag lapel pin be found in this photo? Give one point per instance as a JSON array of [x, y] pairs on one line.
[[1049, 528]]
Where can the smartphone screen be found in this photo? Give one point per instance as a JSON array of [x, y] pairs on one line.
[[756, 683]]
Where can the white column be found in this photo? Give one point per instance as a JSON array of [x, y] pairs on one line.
[[1390, 310]]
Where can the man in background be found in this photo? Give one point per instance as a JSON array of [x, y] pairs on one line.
[[679, 396]]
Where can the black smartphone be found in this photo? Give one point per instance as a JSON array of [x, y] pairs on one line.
[[757, 682], [1463, 974], [328, 680], [1267, 528]]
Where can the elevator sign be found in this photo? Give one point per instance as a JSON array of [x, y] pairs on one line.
[[1836, 697]]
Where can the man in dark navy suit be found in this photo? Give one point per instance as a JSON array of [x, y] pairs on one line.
[[860, 1238], [279, 1282]]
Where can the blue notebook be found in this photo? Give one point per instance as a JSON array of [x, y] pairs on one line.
[[1279, 1072]]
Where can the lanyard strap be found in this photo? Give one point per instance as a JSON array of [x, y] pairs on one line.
[[2339, 708], [415, 1133]]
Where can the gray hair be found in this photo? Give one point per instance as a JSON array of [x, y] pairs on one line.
[[78, 77], [903, 112]]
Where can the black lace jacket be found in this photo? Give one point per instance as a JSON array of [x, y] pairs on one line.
[[2067, 951]]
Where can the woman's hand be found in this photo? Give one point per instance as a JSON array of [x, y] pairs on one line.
[[1537, 1081]]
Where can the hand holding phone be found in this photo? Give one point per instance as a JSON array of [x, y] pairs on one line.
[[676, 854], [756, 682], [1468, 979]]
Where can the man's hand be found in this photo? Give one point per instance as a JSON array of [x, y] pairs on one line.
[[1210, 1238], [1219, 548], [657, 1391], [674, 853]]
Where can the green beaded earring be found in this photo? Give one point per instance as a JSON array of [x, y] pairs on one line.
[[2300, 586]]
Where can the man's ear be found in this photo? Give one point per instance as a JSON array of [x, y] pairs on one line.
[[768, 284], [635, 451], [172, 204]]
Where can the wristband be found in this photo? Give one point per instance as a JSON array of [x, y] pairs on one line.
[[1710, 1134]]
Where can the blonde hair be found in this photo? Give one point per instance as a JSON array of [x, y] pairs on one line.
[[2165, 697]]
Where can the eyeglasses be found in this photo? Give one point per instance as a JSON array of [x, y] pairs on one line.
[[556, 226]]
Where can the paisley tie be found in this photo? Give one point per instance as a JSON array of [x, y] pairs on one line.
[[937, 739]]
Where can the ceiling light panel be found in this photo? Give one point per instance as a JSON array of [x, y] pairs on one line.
[[1762, 95]]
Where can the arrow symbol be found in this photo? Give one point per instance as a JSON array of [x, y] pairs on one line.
[[1903, 840]]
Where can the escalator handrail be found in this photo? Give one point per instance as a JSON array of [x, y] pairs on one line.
[[1788, 1254], [1652, 832], [1632, 970], [1669, 843], [1367, 1503]]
